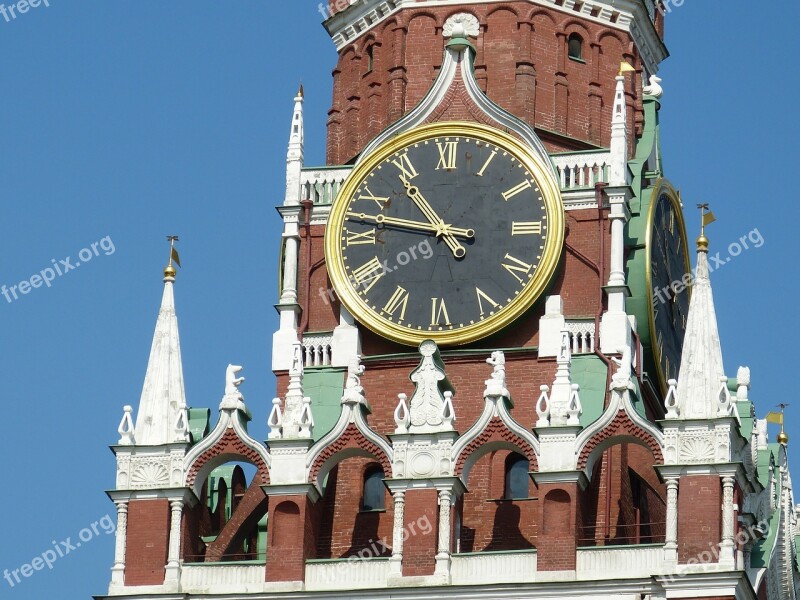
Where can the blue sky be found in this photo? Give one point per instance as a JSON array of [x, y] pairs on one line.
[[125, 121]]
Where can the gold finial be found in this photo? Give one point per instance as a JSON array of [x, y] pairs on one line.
[[778, 417], [706, 218], [169, 270], [301, 93]]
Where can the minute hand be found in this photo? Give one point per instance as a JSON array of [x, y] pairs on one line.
[[415, 225], [441, 229]]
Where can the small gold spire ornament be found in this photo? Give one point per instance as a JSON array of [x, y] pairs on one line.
[[706, 218], [169, 270], [779, 417]]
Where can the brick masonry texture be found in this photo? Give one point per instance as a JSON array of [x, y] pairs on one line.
[[147, 542], [522, 64]]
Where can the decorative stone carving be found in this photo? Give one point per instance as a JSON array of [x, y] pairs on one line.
[[149, 474], [743, 384], [671, 401], [233, 398], [353, 391], [697, 448], [402, 418], [462, 25], [295, 398], [543, 407], [126, 428], [496, 385], [654, 89], [427, 403]]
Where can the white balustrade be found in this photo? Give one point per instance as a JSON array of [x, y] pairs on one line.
[[582, 336], [493, 567], [221, 578], [609, 562], [317, 349], [581, 171], [321, 186], [347, 574]]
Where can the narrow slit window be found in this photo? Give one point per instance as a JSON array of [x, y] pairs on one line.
[[517, 477], [373, 489]]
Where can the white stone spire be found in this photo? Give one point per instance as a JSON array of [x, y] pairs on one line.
[[701, 362], [296, 154], [163, 393], [618, 174]]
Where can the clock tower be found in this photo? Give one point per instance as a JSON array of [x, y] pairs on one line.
[[498, 375]]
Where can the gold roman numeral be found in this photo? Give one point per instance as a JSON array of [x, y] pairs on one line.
[[447, 155], [481, 297], [525, 185], [407, 170], [380, 201], [398, 301], [368, 273], [517, 266], [356, 239], [439, 311], [487, 163], [526, 228]]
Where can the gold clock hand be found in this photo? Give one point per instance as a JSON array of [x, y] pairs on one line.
[[417, 225], [418, 199]]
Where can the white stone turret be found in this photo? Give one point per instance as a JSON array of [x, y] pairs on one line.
[[163, 396], [701, 372], [296, 154], [288, 308], [615, 328]]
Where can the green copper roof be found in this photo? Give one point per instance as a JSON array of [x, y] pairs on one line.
[[324, 385]]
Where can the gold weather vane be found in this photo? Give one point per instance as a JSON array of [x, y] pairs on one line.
[[779, 418], [625, 67], [706, 218], [170, 271]]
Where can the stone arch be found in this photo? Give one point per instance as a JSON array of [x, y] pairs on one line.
[[229, 448], [620, 430], [350, 443], [502, 7], [495, 436]]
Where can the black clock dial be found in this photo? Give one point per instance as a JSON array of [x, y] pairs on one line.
[[670, 278], [444, 234]]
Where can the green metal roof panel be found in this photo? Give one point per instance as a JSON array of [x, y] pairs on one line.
[[590, 372], [324, 385], [199, 423]]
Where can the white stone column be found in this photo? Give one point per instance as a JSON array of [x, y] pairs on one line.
[[290, 261], [671, 542], [396, 562], [443, 549], [727, 553], [174, 553], [118, 571]]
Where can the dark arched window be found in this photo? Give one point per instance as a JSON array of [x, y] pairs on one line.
[[575, 47], [370, 58], [517, 477], [373, 489]]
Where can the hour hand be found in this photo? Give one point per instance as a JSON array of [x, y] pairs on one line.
[[427, 210]]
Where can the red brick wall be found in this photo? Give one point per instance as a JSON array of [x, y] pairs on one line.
[[490, 523], [291, 537], [344, 529], [147, 543], [559, 518], [699, 516], [521, 63], [419, 549]]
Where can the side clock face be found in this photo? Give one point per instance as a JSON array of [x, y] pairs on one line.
[[669, 281], [448, 232]]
